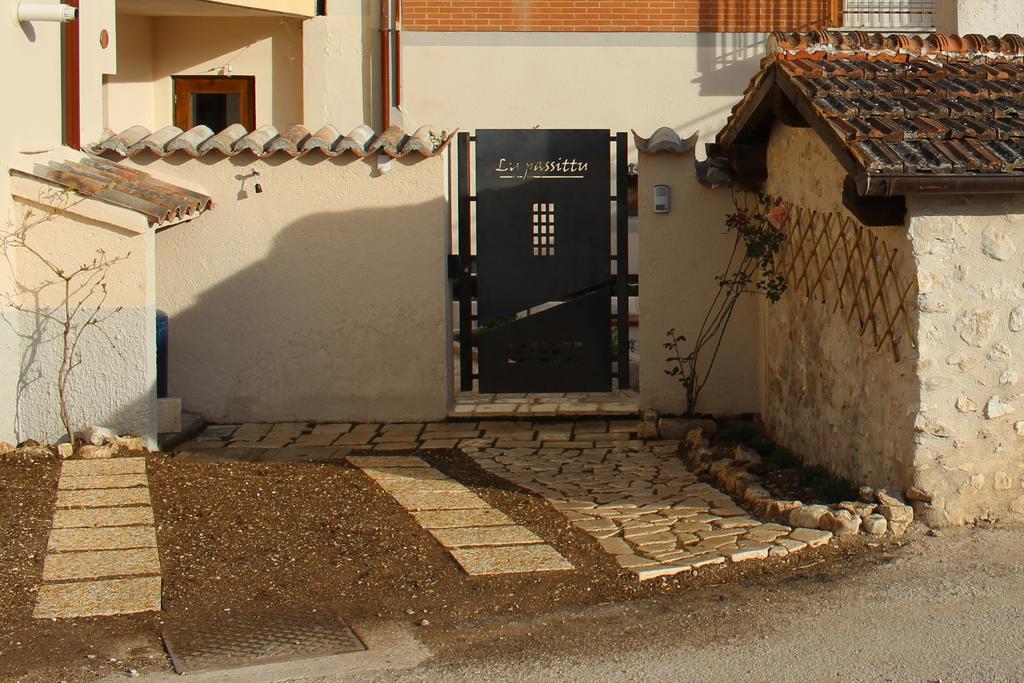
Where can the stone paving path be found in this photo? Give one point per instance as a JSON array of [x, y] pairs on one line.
[[641, 503], [101, 555], [481, 539], [609, 404], [635, 496], [266, 439]]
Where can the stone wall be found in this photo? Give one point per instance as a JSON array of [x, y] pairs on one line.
[[970, 254], [830, 394]]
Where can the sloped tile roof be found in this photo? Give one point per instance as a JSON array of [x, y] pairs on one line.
[[939, 106], [267, 140], [117, 185]]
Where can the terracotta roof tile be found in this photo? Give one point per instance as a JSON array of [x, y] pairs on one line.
[[901, 105], [118, 185], [267, 140]]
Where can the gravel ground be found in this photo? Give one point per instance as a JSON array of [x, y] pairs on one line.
[[244, 537], [29, 648]]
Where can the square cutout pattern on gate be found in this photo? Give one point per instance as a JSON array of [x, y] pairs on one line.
[[544, 229]]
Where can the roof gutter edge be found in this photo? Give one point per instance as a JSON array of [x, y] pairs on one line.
[[898, 185]]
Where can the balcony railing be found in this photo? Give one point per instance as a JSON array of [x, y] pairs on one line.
[[888, 15]]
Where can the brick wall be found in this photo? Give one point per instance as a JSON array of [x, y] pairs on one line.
[[616, 15]]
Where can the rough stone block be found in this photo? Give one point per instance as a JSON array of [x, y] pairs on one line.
[[808, 516], [875, 525], [812, 537], [840, 523], [168, 415]]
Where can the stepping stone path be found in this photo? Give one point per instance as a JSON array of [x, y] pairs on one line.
[[639, 501], [101, 555], [481, 539], [635, 497]]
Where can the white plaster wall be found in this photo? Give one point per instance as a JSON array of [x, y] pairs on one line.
[[32, 122], [986, 17], [339, 78], [323, 298], [114, 385], [130, 93], [829, 394], [268, 48], [621, 81], [681, 253], [971, 427], [95, 60]]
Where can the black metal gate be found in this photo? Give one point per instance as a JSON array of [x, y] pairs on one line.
[[544, 273]]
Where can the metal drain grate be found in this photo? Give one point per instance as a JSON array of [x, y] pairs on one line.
[[264, 638]]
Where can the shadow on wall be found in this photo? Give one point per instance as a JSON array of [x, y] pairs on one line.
[[333, 316], [111, 387], [726, 62]]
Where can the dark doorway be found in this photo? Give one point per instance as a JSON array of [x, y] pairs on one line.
[[545, 271]]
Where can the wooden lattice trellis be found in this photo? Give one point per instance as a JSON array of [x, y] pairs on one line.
[[833, 258]]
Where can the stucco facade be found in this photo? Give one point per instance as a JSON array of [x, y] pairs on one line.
[[38, 125], [681, 253], [152, 52], [114, 383], [325, 297]]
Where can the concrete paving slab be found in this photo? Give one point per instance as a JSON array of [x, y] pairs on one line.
[[83, 468], [386, 461], [450, 519], [397, 486], [251, 431], [98, 598], [456, 500], [335, 428], [105, 538], [95, 498], [485, 536], [102, 481], [100, 517], [95, 564], [510, 559]]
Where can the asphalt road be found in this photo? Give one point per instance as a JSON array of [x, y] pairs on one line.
[[948, 608]]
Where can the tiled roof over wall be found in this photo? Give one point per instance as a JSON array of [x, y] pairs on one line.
[[939, 106], [267, 140], [117, 185]]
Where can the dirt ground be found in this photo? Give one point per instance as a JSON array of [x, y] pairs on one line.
[[243, 537]]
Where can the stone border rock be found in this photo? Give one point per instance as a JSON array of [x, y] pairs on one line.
[[875, 514]]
